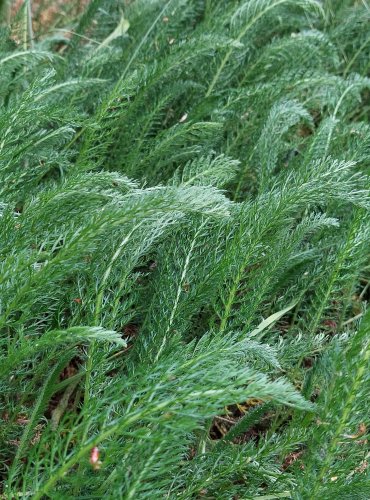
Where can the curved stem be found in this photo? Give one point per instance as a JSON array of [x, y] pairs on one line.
[[242, 33], [351, 62]]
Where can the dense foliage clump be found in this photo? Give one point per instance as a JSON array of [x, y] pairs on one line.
[[184, 267]]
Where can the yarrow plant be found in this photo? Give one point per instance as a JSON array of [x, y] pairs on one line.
[[184, 273]]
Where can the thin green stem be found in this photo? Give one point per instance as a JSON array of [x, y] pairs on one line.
[[352, 61], [230, 302], [343, 255], [348, 408], [105, 104], [27, 27], [97, 317], [241, 35]]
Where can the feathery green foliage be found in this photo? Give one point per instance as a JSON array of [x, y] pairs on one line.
[[184, 273]]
